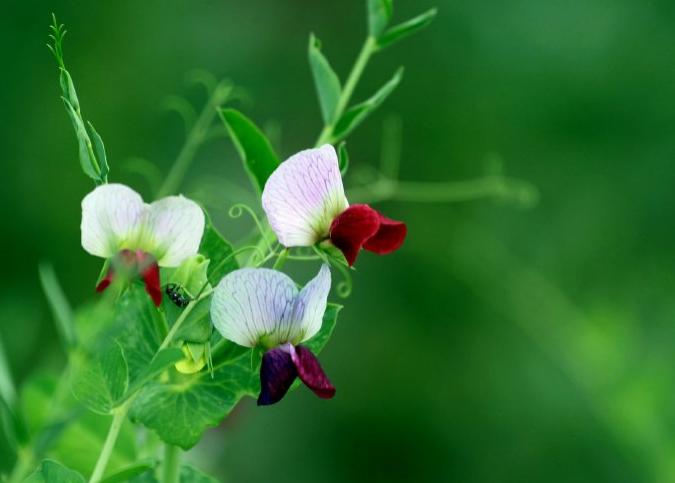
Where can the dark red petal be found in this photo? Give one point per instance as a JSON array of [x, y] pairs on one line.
[[277, 373], [389, 236], [352, 228], [106, 281], [311, 373], [152, 284]]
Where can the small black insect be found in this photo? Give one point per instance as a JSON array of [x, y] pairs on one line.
[[177, 294]]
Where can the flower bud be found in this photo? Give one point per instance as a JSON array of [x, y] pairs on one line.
[[190, 275], [195, 358]]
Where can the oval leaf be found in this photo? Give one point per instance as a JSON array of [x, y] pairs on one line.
[[325, 79], [405, 29], [356, 114], [100, 380], [379, 15], [254, 148], [51, 471]]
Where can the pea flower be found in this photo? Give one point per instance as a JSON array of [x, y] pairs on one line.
[[259, 307], [139, 237], [305, 203]]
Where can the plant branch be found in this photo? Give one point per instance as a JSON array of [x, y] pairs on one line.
[[119, 415], [368, 49]]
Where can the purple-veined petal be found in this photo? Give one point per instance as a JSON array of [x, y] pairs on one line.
[[110, 219], [311, 373], [249, 306], [309, 306], [277, 373], [172, 230], [303, 196]]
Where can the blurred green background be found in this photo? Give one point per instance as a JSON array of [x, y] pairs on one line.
[[501, 344]]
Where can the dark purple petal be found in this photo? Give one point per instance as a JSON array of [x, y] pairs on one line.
[[311, 373], [277, 373]]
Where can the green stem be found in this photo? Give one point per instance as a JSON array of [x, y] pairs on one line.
[[171, 465], [368, 49], [119, 415], [195, 138]]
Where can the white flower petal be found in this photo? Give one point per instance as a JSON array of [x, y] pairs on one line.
[[303, 196], [110, 217], [172, 230], [309, 306], [250, 304]]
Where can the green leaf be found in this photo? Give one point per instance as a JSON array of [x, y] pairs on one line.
[[36, 403], [356, 114], [326, 81], [405, 29], [190, 474], [130, 472], [96, 169], [12, 426], [63, 314], [219, 251], [139, 328], [254, 149], [68, 89], [87, 158], [319, 341], [7, 389], [164, 359], [343, 158], [379, 15], [100, 380], [180, 410], [81, 441], [99, 149], [51, 471], [11, 417], [62, 429]]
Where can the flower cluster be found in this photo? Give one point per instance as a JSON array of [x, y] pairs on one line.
[[305, 204]]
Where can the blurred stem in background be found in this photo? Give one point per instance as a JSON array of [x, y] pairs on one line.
[[198, 133], [382, 184], [386, 185]]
